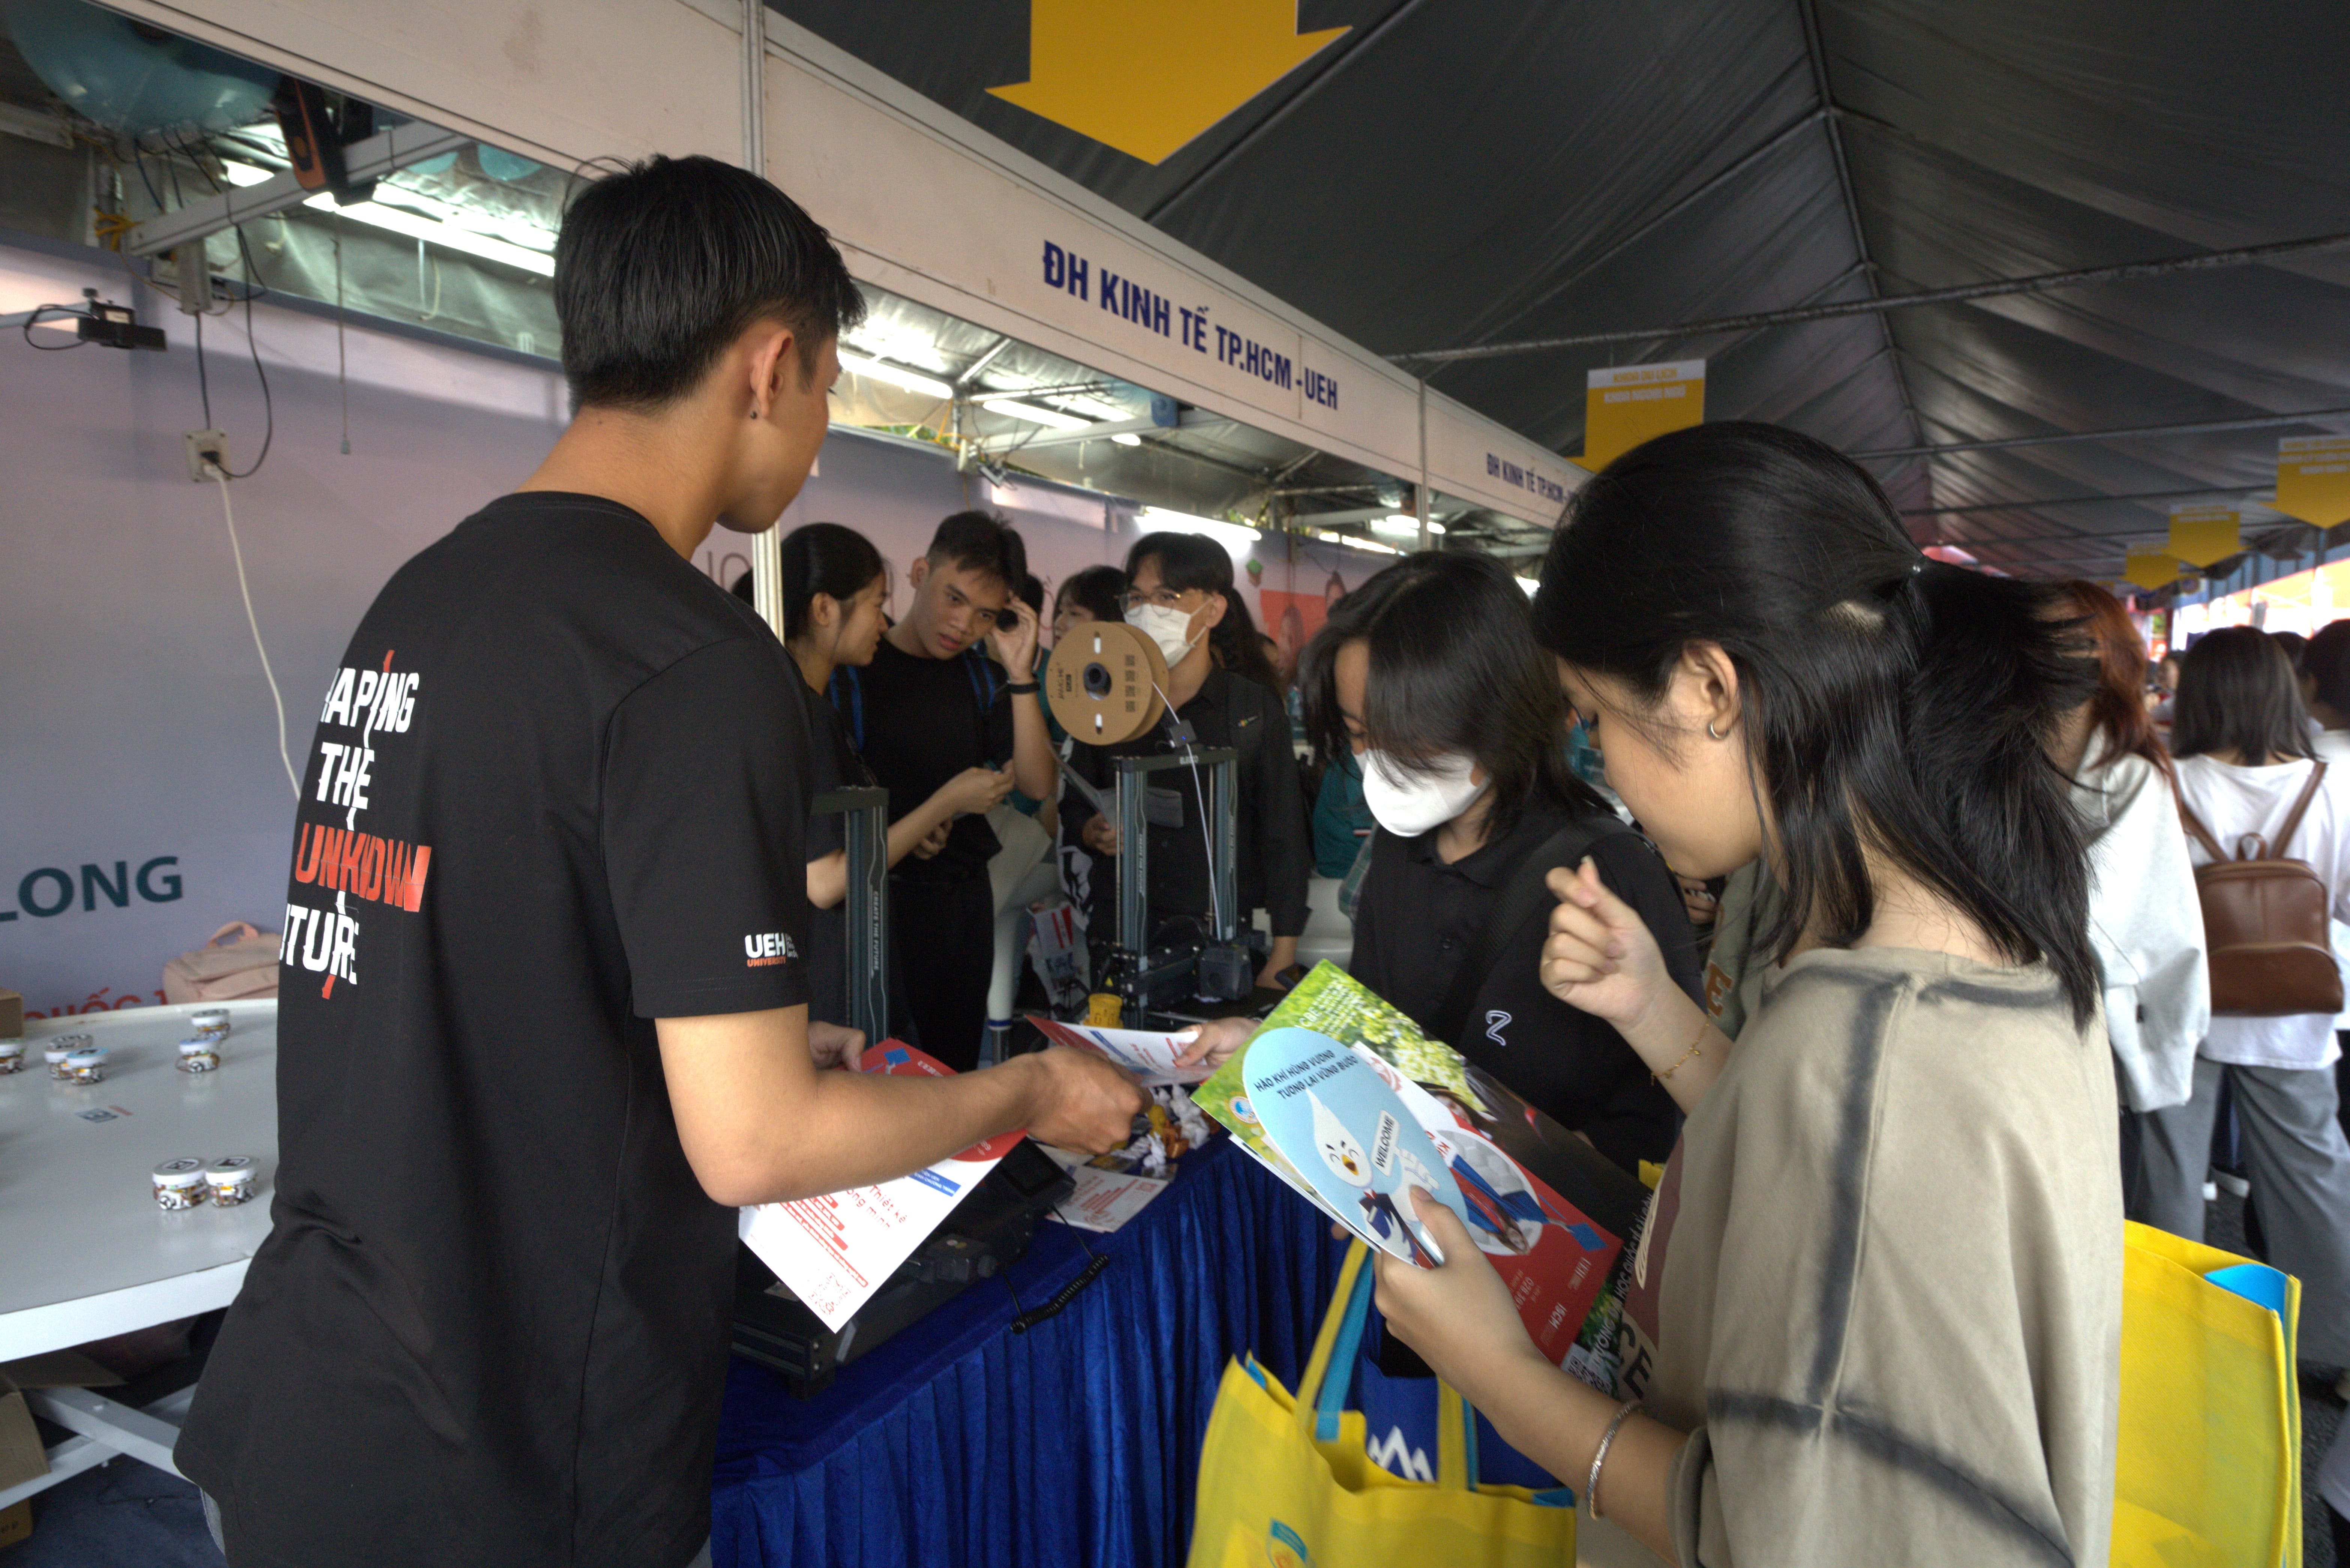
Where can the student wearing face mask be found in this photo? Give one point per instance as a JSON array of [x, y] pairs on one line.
[[833, 585], [1180, 595], [1428, 676]]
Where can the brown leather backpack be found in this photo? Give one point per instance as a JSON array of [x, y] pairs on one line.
[[2266, 922]]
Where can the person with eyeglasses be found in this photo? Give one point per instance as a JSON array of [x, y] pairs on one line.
[[1180, 594]]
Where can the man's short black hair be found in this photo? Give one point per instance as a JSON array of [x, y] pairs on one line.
[[660, 266], [980, 542]]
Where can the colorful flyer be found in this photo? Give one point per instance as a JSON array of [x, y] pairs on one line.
[[1147, 1054], [836, 1251], [1545, 1209]]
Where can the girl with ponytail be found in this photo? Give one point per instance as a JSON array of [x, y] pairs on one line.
[[1879, 1290]]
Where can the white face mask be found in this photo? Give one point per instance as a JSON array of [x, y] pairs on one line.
[[1407, 802], [1170, 629]]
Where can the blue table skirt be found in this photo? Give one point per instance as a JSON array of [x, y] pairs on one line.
[[962, 1443]]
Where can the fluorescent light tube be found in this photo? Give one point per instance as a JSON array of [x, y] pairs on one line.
[[1184, 521], [1052, 417], [896, 375]]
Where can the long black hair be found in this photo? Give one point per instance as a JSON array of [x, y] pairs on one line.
[[824, 558], [1891, 703], [1195, 561], [2236, 693], [1453, 667]]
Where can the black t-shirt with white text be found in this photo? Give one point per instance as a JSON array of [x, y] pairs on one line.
[[558, 791]]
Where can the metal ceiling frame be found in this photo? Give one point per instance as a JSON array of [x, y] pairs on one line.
[[1880, 305], [2137, 433], [1817, 51], [2247, 491], [377, 156]]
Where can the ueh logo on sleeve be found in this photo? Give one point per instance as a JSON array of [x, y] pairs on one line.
[[763, 948]]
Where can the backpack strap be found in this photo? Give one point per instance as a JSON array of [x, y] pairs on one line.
[[847, 694], [1522, 898], [2292, 818], [2198, 832]]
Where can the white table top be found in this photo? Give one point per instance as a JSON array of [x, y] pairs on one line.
[[84, 1251]]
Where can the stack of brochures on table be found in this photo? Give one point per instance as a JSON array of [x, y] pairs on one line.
[[1340, 1095]]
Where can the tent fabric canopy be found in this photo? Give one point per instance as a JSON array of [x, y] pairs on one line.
[[1448, 174]]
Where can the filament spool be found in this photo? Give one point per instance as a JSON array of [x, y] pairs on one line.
[[1104, 681]]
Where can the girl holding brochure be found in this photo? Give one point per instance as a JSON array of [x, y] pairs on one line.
[[1428, 676], [1882, 1273]]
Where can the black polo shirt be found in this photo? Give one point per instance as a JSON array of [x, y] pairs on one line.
[[1270, 850], [1416, 922]]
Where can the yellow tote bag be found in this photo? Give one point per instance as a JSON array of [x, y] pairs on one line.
[[2208, 1464], [1286, 1482]]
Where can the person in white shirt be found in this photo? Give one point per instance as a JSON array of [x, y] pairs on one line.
[[2145, 920], [2244, 760]]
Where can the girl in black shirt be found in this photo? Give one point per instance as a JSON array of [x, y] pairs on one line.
[[833, 583], [1429, 675]]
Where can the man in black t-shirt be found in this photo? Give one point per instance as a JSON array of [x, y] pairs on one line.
[[543, 1012], [929, 705]]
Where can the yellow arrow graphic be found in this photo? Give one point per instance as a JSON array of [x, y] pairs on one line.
[[1148, 75]]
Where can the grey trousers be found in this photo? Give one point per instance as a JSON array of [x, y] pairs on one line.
[[212, 1524], [2299, 1164]]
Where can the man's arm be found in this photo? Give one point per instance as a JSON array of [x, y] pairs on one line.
[[762, 1125], [1015, 647]]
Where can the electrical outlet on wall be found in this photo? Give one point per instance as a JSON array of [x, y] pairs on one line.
[[206, 447]]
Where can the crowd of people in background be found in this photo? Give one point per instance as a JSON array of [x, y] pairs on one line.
[[1449, 774], [1954, 1006]]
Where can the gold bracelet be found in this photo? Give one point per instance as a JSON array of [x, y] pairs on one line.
[[1696, 1049]]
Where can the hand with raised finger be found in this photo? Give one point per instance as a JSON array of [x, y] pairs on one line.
[[1600, 956]]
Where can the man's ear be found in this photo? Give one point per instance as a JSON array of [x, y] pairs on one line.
[[774, 356], [1212, 613], [917, 572]]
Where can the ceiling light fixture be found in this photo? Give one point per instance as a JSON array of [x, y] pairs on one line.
[[1232, 534], [414, 225], [1126, 438], [1053, 419], [1403, 526], [896, 375]]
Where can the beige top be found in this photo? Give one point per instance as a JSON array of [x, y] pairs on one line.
[[1890, 1297]]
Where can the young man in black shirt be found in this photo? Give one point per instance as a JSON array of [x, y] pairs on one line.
[[1180, 594], [929, 705], [543, 1016]]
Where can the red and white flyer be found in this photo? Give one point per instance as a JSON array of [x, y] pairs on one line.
[[836, 1251], [1147, 1054]]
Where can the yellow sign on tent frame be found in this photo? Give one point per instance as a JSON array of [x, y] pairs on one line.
[[2313, 479], [1625, 405], [2150, 569], [2202, 535]]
